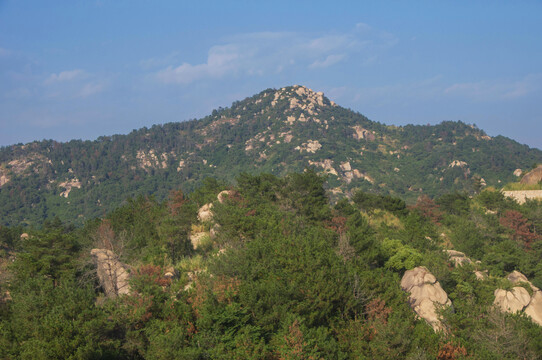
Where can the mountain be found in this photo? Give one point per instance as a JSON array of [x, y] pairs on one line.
[[276, 131]]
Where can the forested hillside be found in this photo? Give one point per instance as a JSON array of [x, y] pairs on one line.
[[276, 131], [271, 270]]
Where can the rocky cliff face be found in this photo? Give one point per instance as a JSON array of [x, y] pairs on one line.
[[114, 276]]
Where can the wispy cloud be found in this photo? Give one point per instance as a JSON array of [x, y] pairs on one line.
[[257, 54], [91, 89], [63, 76], [490, 90], [328, 61], [439, 89], [76, 83]]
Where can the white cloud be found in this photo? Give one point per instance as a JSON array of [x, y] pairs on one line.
[[63, 76], [91, 89], [328, 61], [71, 84], [257, 54], [221, 60], [491, 90]]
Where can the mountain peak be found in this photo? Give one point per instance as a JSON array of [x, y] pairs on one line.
[[277, 131], [301, 97]]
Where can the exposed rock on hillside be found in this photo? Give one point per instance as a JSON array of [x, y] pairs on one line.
[[480, 275], [113, 274], [311, 146], [458, 258], [512, 300], [426, 295], [150, 160], [223, 195], [533, 177], [326, 164], [361, 133], [4, 179], [205, 213], [68, 186], [519, 299], [197, 238], [521, 196]]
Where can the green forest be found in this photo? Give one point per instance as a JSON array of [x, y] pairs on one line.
[[277, 272], [269, 132]]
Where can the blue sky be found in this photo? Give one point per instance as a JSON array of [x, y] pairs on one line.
[[80, 69]]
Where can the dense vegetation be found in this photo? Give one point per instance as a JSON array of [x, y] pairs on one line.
[[285, 276], [263, 133]]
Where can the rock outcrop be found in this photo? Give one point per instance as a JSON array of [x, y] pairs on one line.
[[426, 295], [205, 213], [457, 257], [113, 275], [223, 195], [521, 196], [533, 177], [197, 238], [460, 259], [361, 133], [327, 164], [480, 275], [68, 185], [4, 179], [519, 299], [512, 300]]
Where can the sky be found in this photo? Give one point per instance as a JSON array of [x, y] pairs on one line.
[[82, 69]]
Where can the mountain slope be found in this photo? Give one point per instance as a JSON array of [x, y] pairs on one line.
[[277, 131]]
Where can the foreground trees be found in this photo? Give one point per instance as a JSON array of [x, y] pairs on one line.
[[279, 274]]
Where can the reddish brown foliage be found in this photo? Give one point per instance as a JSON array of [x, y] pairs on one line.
[[222, 288], [294, 341], [105, 235], [337, 224], [521, 228], [377, 310], [428, 209], [153, 274], [450, 351], [251, 212], [225, 288], [176, 201], [294, 345], [139, 309], [235, 197]]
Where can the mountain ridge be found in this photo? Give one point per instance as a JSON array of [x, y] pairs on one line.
[[276, 131]]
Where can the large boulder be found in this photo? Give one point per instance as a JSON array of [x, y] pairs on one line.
[[534, 309], [519, 299], [533, 177], [426, 295], [205, 213], [113, 275], [512, 300]]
